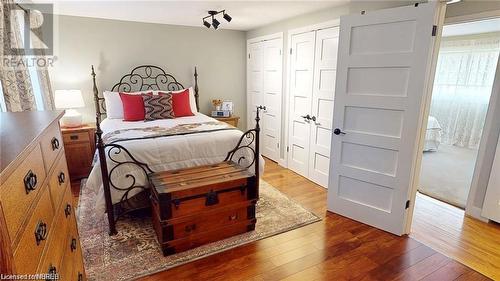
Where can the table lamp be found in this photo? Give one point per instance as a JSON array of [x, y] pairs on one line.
[[70, 100]]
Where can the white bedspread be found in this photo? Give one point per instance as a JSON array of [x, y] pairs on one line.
[[164, 153]]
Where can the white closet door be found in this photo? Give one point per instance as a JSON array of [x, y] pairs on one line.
[[301, 85], [491, 206], [255, 82], [325, 67], [385, 60], [271, 117]]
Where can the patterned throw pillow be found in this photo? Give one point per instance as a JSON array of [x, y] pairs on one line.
[[158, 107]]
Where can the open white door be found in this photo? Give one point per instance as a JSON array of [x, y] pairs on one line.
[[255, 82], [384, 62]]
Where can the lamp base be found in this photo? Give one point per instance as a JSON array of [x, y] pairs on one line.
[[71, 119]]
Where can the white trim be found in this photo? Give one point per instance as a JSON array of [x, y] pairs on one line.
[[328, 24], [475, 212], [277, 35], [489, 125], [472, 17]]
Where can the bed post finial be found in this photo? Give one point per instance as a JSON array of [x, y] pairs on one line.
[[196, 95]]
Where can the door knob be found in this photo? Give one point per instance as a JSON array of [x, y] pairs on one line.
[[314, 119], [337, 131], [307, 117]]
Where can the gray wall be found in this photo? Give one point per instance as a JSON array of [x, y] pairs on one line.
[[462, 8], [115, 47]]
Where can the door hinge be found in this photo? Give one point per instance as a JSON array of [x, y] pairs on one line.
[[407, 204], [434, 30], [278, 144], [249, 56], [287, 149], [290, 51], [280, 52]]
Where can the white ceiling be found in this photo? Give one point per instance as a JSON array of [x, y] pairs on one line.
[[475, 27], [246, 15]]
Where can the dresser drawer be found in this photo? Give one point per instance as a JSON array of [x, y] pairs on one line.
[[35, 235], [58, 180], [20, 189], [74, 137], [51, 144], [72, 265], [58, 237]]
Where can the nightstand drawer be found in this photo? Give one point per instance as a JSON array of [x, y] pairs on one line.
[[76, 137]]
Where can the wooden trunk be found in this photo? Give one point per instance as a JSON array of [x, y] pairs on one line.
[[196, 206]]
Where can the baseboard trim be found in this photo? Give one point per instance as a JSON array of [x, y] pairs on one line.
[[475, 212]]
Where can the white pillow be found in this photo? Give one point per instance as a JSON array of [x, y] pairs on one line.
[[114, 105]]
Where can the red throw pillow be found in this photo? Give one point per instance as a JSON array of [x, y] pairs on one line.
[[181, 105], [133, 107]]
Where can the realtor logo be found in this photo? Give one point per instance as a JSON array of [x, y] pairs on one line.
[[33, 28]]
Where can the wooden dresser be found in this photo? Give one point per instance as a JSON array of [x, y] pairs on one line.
[[38, 232]]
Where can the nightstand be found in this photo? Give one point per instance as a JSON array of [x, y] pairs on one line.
[[79, 145], [233, 120]]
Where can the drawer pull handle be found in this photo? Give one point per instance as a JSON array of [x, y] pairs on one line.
[[30, 181], [52, 273], [80, 276], [233, 217], [61, 178], [73, 244], [55, 143], [40, 232], [190, 227], [73, 137], [67, 210]]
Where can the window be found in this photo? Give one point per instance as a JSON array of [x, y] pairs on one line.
[[2, 99], [32, 70]]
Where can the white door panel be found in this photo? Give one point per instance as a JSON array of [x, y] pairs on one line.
[[255, 81], [301, 88], [384, 59], [325, 67], [272, 84]]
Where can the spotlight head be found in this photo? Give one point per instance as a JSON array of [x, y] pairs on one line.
[[227, 17], [215, 23], [206, 23]]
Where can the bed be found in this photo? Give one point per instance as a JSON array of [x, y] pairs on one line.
[[132, 151], [432, 134]]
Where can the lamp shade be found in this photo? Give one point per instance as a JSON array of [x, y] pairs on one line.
[[66, 99]]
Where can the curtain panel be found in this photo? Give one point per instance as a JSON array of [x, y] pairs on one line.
[[16, 84], [462, 87]]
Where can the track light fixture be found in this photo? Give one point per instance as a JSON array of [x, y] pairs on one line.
[[215, 22]]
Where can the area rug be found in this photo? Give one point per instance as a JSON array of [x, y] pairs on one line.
[[135, 252]]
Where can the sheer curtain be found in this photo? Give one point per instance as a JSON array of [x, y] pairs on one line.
[[462, 88]]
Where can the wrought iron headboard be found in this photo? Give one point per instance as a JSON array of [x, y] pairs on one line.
[[141, 78]]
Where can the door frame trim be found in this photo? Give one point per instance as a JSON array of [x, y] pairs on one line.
[[493, 108], [286, 86]]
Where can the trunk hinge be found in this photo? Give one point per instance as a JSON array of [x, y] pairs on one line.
[[434, 30], [407, 204]]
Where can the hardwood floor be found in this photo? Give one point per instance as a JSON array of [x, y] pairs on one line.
[[336, 248], [446, 229]]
